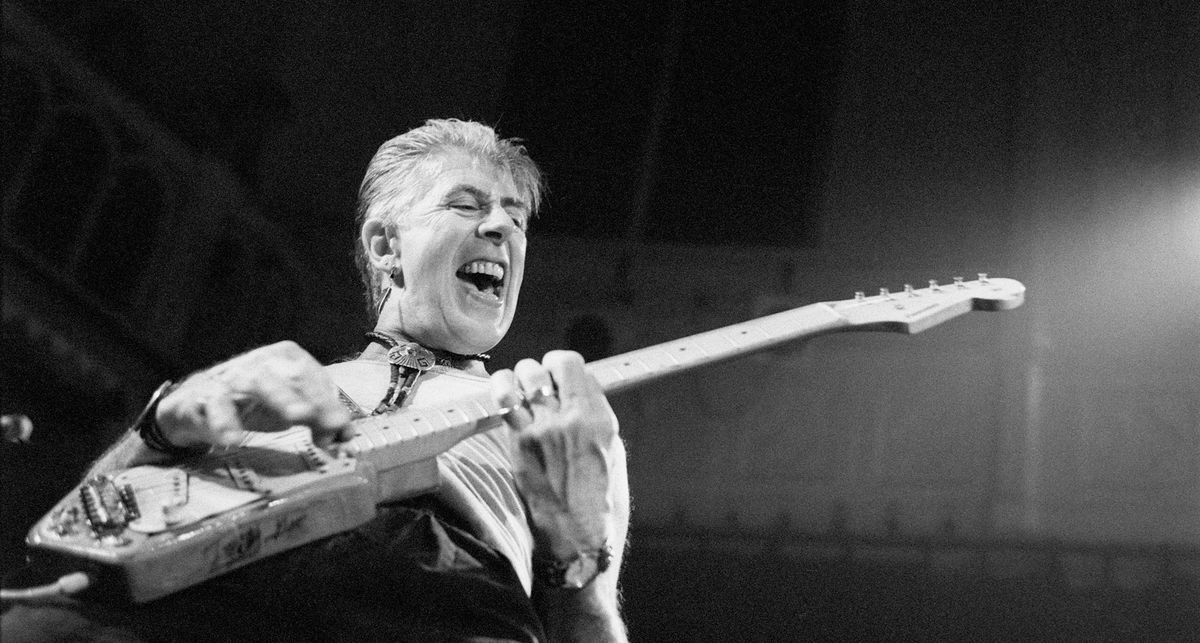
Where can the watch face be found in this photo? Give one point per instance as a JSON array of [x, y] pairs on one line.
[[580, 572], [576, 573]]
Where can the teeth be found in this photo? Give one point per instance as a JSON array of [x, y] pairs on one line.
[[484, 267]]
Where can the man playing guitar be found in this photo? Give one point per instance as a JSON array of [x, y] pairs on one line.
[[523, 538]]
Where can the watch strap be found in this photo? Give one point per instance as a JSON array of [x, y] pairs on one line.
[[149, 430]]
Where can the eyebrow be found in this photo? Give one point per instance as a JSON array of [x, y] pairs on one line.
[[480, 195]]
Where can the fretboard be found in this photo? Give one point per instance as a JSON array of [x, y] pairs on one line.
[[417, 433]]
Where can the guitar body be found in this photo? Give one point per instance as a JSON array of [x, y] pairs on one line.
[[151, 530]]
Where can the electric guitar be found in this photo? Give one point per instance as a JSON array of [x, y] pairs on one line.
[[151, 530]]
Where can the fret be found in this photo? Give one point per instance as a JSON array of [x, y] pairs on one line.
[[716, 343], [370, 438], [434, 420], [746, 335], [451, 416], [377, 438], [405, 428], [357, 445], [657, 359], [393, 433], [606, 374], [410, 426], [802, 322], [480, 408], [617, 369], [685, 352]]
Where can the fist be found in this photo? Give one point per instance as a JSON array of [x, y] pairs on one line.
[[267, 389], [564, 444]]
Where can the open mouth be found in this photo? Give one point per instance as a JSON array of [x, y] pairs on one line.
[[486, 276]]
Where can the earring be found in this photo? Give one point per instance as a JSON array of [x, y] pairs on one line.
[[383, 300]]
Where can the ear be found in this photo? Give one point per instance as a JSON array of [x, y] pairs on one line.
[[381, 245]]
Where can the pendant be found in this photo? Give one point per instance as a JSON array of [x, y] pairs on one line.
[[411, 355]]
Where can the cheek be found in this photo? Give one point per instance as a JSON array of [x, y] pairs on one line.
[[420, 287], [517, 257], [421, 265], [518, 282], [515, 284]]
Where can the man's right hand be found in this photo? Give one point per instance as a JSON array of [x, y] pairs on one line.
[[272, 388]]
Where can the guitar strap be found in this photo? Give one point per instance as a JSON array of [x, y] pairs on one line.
[[356, 411]]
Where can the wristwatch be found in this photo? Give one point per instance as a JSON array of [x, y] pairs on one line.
[[576, 572]]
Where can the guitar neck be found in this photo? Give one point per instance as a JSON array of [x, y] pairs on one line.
[[631, 369], [418, 433]]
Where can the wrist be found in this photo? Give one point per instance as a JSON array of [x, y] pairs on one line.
[[147, 427], [574, 571], [561, 530], [591, 613]]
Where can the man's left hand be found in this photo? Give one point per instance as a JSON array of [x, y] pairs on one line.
[[565, 439]]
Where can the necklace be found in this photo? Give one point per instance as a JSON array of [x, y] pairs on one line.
[[412, 359]]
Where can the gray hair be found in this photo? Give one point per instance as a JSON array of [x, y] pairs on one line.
[[398, 176]]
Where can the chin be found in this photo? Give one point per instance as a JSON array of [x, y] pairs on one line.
[[476, 340]]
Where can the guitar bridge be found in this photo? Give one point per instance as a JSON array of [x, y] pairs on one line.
[[109, 508]]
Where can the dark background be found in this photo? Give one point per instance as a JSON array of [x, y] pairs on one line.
[[179, 185]]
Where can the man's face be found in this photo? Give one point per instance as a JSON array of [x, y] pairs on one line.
[[461, 248]]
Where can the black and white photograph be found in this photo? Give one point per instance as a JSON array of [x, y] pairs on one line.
[[678, 320]]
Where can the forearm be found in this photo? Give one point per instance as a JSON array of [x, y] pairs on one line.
[[271, 388], [589, 614], [594, 612]]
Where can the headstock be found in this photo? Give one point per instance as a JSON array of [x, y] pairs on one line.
[[913, 310]]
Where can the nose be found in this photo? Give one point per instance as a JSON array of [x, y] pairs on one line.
[[497, 226]]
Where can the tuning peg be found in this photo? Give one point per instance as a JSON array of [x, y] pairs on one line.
[[983, 278], [933, 286], [859, 295], [958, 281], [908, 290]]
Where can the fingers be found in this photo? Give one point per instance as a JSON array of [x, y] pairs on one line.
[[524, 390], [274, 401], [532, 386], [563, 448], [507, 393], [567, 370], [537, 384], [214, 418]]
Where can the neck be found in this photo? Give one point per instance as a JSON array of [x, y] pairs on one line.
[[380, 341]]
